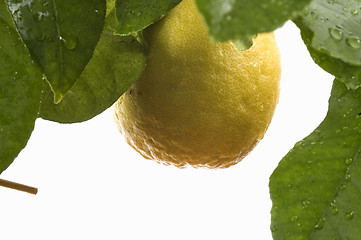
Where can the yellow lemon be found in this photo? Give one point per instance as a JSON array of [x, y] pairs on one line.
[[199, 103]]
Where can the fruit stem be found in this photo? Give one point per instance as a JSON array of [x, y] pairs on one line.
[[18, 186]]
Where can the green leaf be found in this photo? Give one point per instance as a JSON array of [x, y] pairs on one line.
[[232, 20], [348, 73], [117, 62], [61, 36], [20, 90], [245, 42], [135, 15], [336, 28], [316, 189]]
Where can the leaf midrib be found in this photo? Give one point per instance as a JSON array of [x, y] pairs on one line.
[[60, 45], [337, 191]]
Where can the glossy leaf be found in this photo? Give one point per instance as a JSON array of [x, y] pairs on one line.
[[61, 36], [232, 20], [20, 90], [348, 73], [335, 25], [117, 62], [135, 15], [317, 186]]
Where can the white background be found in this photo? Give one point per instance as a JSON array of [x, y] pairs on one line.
[[92, 185]]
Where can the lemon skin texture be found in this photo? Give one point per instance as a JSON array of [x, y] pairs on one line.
[[199, 103]]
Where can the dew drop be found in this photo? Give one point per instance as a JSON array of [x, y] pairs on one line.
[[348, 161], [323, 19], [343, 187], [336, 33], [334, 210], [349, 215], [69, 42], [38, 16], [314, 15], [320, 223], [294, 218], [305, 203], [354, 11], [347, 177], [354, 42]]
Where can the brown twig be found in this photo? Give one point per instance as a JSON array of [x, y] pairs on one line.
[[18, 186]]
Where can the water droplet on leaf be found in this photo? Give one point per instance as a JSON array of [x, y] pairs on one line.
[[69, 42], [348, 161], [336, 33], [305, 203], [334, 210], [354, 42], [349, 215], [38, 16], [320, 223]]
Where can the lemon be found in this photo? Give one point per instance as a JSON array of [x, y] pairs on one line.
[[199, 103]]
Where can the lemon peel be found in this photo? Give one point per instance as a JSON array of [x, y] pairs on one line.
[[199, 103]]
